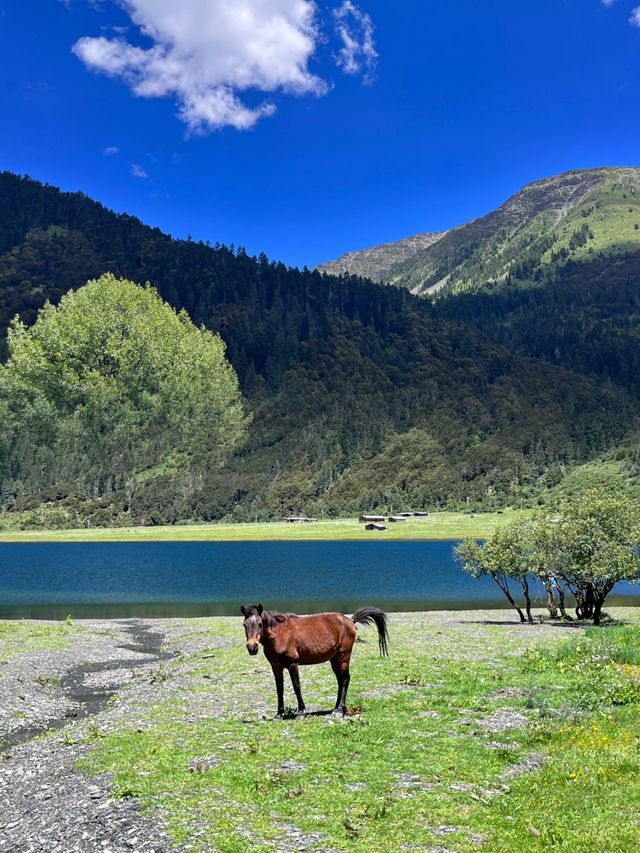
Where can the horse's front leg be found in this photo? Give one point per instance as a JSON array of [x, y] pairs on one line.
[[295, 680], [278, 674]]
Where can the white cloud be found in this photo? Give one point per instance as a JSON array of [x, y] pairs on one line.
[[354, 27], [206, 53], [110, 151], [608, 2], [137, 171], [113, 28], [635, 17]]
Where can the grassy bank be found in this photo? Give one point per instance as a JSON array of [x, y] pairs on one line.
[[441, 525], [18, 637], [476, 734]]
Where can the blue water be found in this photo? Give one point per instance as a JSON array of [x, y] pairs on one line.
[[53, 580]]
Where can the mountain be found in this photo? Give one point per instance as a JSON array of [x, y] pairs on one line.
[[570, 216], [362, 396], [378, 263]]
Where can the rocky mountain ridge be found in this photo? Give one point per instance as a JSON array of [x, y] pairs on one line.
[[378, 262], [571, 215]]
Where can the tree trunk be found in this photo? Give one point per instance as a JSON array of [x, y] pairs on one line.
[[597, 610], [590, 601], [505, 589], [579, 603], [599, 597], [561, 606], [585, 602], [527, 598], [551, 600]]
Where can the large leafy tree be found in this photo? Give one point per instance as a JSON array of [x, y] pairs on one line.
[[113, 382]]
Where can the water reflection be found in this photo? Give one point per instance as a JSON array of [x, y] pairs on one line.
[[188, 609]]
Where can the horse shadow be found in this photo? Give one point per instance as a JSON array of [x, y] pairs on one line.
[[302, 716]]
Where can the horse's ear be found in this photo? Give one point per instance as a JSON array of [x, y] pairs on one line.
[[260, 609], [243, 611]]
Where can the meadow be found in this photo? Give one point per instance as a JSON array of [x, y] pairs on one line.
[[19, 637], [440, 525], [474, 734]]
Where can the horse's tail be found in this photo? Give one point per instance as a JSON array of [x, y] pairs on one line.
[[377, 617]]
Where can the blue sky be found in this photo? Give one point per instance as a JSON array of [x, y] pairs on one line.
[[305, 130]]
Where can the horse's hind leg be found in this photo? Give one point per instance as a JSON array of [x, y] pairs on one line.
[[346, 678], [340, 665], [295, 680], [335, 666]]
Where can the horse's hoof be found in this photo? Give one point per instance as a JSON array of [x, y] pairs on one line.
[[338, 712], [301, 712], [277, 716]]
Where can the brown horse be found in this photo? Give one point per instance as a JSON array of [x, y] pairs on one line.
[[290, 641]]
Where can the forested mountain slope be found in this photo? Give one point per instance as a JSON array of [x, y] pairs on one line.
[[362, 396], [571, 216], [584, 316]]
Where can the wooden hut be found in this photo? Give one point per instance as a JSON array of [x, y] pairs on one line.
[[396, 518], [373, 525], [369, 518], [299, 519]]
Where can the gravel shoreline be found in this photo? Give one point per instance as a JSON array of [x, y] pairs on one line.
[[111, 673], [45, 803]]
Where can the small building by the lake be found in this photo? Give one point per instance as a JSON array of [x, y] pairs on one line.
[[369, 518], [373, 525], [299, 519]]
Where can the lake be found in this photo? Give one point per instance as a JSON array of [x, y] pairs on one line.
[[115, 580]]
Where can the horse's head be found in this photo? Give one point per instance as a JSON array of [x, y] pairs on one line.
[[252, 626]]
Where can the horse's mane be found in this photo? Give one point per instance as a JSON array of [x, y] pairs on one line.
[[277, 618]]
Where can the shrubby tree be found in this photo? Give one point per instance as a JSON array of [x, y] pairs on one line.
[[592, 544], [508, 558], [110, 383]]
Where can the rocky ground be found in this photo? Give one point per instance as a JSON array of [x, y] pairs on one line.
[[56, 703], [45, 803]]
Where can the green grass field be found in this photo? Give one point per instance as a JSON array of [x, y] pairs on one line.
[[472, 735], [19, 637], [475, 734], [441, 525]]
